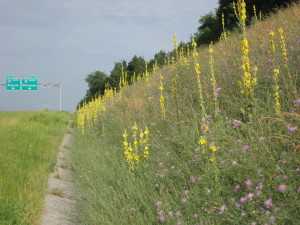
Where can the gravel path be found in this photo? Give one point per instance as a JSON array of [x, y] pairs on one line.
[[60, 199]]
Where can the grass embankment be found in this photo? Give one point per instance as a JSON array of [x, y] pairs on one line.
[[216, 157], [28, 146]]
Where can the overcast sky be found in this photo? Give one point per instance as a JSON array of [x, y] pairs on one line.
[[62, 41]]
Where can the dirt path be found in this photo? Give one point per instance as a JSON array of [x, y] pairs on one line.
[[60, 199]]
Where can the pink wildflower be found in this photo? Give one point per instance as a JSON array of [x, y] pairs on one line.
[[282, 188], [268, 203], [248, 183]]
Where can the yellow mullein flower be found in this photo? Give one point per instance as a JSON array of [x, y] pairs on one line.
[[240, 12], [198, 73], [213, 158], [134, 127], [202, 140], [213, 80], [284, 53], [161, 98], [213, 147], [254, 12], [276, 93]]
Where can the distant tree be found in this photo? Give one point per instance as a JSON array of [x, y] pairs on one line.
[[96, 84], [210, 29], [137, 65], [159, 58], [116, 72]]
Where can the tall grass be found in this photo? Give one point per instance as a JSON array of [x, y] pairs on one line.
[[28, 146], [239, 165]]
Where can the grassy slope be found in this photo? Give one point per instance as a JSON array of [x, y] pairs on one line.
[[184, 176], [28, 145]]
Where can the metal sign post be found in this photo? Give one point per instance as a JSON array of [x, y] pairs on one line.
[[50, 85]]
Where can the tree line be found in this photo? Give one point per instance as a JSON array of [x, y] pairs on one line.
[[211, 27]]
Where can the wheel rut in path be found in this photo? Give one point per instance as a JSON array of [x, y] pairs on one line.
[[60, 199]]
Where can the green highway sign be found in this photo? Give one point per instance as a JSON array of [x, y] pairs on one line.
[[30, 84], [13, 83]]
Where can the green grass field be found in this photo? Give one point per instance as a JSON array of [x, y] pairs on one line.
[[225, 158], [28, 146]]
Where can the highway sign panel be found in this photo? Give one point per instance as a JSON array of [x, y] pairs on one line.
[[12, 83], [30, 84]]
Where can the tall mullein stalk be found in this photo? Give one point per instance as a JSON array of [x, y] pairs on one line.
[[285, 62], [239, 9], [254, 12], [176, 78], [260, 16], [224, 34], [248, 81], [203, 113], [162, 99], [146, 73], [213, 81], [277, 105], [175, 47]]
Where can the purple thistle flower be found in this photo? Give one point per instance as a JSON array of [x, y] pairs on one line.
[[193, 179], [217, 91], [160, 212], [237, 188], [161, 218], [236, 123], [248, 183], [272, 218], [223, 209], [197, 149], [282, 188], [242, 200], [179, 172], [234, 163], [195, 215], [238, 205], [186, 192], [244, 214], [245, 148], [250, 196], [158, 203], [259, 171], [171, 213], [178, 214], [184, 200], [208, 191], [291, 129], [231, 151], [179, 223], [296, 103], [262, 139], [268, 203]]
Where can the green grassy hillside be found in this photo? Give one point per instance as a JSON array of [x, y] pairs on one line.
[[28, 146], [212, 138]]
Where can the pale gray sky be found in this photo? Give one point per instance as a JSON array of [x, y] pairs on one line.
[[65, 40]]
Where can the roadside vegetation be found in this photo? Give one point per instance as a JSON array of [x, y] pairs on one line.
[[210, 138], [28, 146]]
